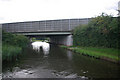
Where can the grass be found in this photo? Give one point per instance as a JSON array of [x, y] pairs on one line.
[[40, 40], [98, 52], [36, 40], [10, 52]]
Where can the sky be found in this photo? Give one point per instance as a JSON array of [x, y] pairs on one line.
[[37, 10]]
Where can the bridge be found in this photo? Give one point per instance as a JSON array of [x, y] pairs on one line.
[[59, 31]]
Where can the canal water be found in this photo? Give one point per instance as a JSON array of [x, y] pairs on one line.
[[43, 60]]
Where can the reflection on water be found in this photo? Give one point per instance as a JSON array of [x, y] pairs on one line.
[[69, 55], [45, 47]]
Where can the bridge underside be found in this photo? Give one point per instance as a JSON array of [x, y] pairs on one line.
[[58, 37], [44, 33]]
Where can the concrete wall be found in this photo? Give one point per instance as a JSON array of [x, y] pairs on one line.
[[63, 40]]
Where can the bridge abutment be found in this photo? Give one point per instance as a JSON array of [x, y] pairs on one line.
[[66, 40]]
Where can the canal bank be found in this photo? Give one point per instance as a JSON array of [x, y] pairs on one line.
[[108, 54]]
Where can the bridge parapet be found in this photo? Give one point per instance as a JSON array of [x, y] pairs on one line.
[[46, 26]]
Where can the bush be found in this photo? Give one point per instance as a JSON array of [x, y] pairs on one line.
[[10, 52], [101, 31], [16, 40], [12, 45]]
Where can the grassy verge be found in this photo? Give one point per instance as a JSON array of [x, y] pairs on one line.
[[109, 54], [10, 52]]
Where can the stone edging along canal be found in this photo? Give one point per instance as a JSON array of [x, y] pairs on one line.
[[96, 57]]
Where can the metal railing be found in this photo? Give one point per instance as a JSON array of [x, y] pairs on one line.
[[48, 25]]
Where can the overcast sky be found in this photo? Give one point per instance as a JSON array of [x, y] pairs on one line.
[[36, 10]]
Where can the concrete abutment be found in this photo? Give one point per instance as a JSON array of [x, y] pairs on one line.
[[66, 40]]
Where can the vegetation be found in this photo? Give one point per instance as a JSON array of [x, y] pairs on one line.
[[40, 39], [15, 40], [12, 45], [10, 52], [101, 31]]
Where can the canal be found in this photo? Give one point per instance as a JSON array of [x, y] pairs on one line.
[[43, 60]]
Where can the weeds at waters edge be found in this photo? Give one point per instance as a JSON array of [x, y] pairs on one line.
[[10, 52], [109, 54]]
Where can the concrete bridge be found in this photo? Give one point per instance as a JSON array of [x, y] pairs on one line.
[[59, 31]]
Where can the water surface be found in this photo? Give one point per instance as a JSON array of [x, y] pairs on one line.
[[42, 60]]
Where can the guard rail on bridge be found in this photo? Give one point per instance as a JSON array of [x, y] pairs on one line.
[[44, 26]]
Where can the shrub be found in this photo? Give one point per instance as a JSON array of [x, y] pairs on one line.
[[16, 40], [101, 31], [12, 45], [10, 52]]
